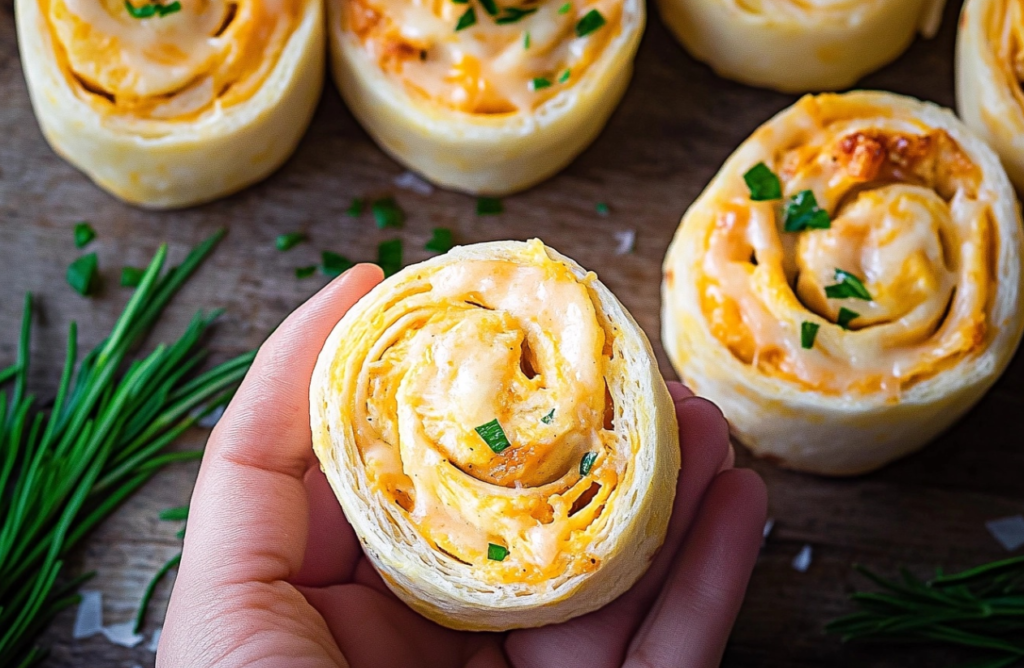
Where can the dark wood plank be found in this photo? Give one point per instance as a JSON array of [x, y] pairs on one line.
[[671, 134]]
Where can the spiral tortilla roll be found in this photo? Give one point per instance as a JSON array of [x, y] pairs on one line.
[[990, 76], [799, 46], [888, 311], [495, 427], [494, 106], [170, 105]]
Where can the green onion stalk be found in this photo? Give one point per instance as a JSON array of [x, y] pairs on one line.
[[66, 467]]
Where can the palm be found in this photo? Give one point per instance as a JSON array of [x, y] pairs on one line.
[[272, 574]]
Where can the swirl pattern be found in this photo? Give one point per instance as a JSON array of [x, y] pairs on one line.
[[990, 77], [524, 341], [888, 265]]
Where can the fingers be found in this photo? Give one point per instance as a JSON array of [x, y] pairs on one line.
[[678, 391], [690, 623], [600, 639], [250, 509], [332, 549]]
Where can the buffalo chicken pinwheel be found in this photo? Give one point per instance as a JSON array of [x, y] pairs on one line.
[[799, 45], [484, 96], [169, 104], [990, 76], [849, 284], [495, 427]]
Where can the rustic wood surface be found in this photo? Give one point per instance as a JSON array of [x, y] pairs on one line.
[[675, 127]]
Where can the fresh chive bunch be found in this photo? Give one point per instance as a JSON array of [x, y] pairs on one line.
[[982, 608], [66, 467]]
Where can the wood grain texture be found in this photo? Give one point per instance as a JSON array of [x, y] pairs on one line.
[[675, 127]]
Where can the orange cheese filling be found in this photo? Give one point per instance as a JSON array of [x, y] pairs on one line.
[[906, 218], [495, 340], [208, 55], [497, 65]]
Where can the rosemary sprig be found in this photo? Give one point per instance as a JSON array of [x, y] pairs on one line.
[[65, 468], [981, 608]]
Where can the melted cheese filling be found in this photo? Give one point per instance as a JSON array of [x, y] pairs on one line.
[[486, 340], [906, 219], [209, 55], [487, 68]]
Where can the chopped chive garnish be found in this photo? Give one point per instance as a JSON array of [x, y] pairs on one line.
[[334, 264], [513, 15], [808, 330], [590, 22], [490, 6], [802, 213], [538, 83], [305, 272], [763, 184], [355, 209], [526, 39], [494, 436], [150, 10], [849, 287], [82, 274], [587, 462], [549, 418], [389, 256], [387, 213], [83, 234], [174, 514], [564, 9], [602, 209], [460, 2], [131, 276], [488, 206], [289, 241], [441, 240], [496, 552], [466, 20], [845, 317], [564, 76]]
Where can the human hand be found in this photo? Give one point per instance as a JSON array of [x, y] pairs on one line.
[[273, 575]]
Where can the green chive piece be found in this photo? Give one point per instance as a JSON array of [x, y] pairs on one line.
[[763, 184], [334, 264], [513, 15], [549, 418], [174, 514], [602, 209], [490, 6], [460, 2], [587, 463], [808, 331], [387, 213], [150, 10], [82, 274], [849, 287], [488, 206], [131, 276], [564, 9], [590, 22], [83, 234], [441, 240], [355, 209], [289, 241], [564, 76], [538, 83], [305, 272], [466, 20], [845, 317], [496, 552], [389, 256], [802, 213], [526, 39], [494, 436]]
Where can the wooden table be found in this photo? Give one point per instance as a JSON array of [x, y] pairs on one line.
[[676, 126]]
